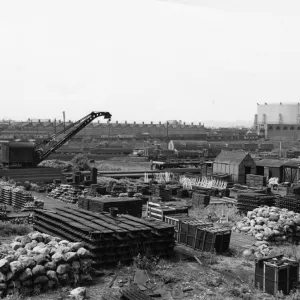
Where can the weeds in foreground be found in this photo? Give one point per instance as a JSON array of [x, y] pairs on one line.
[[202, 212], [7, 229], [148, 263]]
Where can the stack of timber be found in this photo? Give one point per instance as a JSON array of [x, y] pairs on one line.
[[110, 239], [276, 274], [289, 202], [256, 181], [249, 201], [125, 205], [20, 198], [160, 210]]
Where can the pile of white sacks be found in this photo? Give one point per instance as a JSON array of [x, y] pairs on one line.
[[270, 225], [37, 262]]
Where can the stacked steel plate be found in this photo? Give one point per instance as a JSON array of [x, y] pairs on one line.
[[249, 201], [125, 205], [110, 239], [289, 202], [20, 197]]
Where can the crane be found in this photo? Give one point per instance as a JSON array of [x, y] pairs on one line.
[[32, 155]]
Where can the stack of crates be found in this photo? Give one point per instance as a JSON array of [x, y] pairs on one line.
[[276, 273], [199, 199], [176, 220], [200, 235], [160, 211]]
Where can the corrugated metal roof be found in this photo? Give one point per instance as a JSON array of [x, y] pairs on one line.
[[293, 163], [231, 157], [273, 163]]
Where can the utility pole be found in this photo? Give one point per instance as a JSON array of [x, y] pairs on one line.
[[64, 116]]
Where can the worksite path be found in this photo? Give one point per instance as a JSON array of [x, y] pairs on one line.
[[50, 203]]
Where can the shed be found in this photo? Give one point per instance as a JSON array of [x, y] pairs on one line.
[[236, 163], [270, 168], [291, 171]]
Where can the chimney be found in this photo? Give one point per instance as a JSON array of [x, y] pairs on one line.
[[143, 122], [192, 123], [116, 122], [151, 122], [159, 122], [134, 122], [125, 122], [183, 123]]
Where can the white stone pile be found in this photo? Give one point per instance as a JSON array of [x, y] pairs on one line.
[[37, 262], [271, 224]]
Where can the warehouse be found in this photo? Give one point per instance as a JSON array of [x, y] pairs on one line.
[[271, 168], [291, 171], [235, 163]]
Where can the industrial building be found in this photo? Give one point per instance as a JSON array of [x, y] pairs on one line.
[[237, 164], [278, 120]]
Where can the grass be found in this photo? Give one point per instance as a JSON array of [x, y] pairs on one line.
[[7, 229], [122, 165]]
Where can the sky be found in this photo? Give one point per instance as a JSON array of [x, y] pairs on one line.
[[148, 60]]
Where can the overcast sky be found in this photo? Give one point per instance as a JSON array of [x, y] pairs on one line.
[[147, 59]]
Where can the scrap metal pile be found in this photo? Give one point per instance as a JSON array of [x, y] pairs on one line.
[[110, 239]]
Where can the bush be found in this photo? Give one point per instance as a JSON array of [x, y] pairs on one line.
[[80, 163]]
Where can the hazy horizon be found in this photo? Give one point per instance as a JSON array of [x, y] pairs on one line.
[[196, 61]]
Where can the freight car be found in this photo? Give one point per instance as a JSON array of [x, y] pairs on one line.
[[13, 153], [105, 150]]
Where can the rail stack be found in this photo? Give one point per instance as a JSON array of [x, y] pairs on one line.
[[249, 201], [289, 202], [20, 198], [110, 239], [125, 205]]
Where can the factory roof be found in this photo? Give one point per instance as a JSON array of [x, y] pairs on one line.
[[293, 163]]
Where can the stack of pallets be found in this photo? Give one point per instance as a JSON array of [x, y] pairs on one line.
[[20, 198], [110, 239], [249, 201]]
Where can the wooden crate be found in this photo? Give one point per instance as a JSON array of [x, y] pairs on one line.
[[277, 273]]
